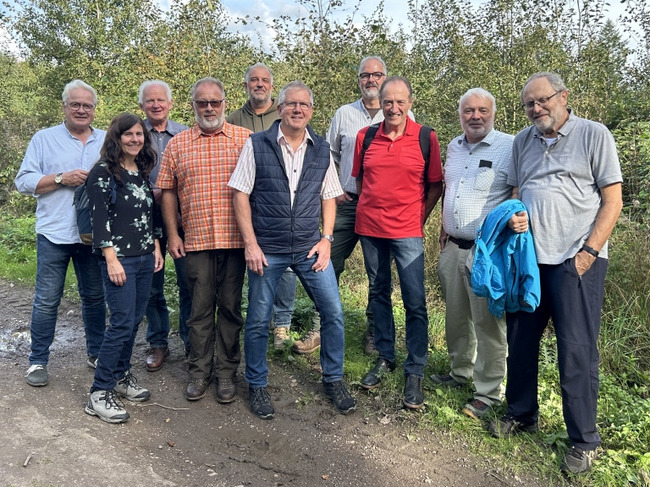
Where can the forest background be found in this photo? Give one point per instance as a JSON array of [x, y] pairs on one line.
[[451, 46]]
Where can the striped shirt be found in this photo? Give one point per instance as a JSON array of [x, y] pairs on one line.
[[198, 166], [475, 182], [243, 177]]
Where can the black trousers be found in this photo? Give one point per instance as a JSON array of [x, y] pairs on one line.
[[574, 305]]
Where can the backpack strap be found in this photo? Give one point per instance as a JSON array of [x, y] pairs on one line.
[[425, 147], [367, 140]]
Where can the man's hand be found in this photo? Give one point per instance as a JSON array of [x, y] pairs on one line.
[[442, 240], [322, 249], [519, 222], [583, 262], [175, 246], [74, 178], [255, 258]]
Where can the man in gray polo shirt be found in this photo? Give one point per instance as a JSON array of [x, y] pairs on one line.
[[476, 170], [565, 169]]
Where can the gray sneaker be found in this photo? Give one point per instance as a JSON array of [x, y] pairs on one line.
[[128, 388], [36, 375], [106, 406], [92, 362], [445, 380], [578, 460]]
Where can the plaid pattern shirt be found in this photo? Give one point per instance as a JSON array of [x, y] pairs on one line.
[[198, 166]]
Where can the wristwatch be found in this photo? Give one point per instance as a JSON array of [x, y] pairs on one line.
[[328, 237], [589, 250], [58, 179]]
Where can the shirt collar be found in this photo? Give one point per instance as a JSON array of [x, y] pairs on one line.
[[226, 130], [281, 136]]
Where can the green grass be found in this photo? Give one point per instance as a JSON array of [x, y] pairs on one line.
[[624, 403]]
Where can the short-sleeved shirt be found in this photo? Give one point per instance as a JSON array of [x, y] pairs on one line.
[[243, 177], [475, 182], [560, 185], [198, 166], [51, 151], [391, 204]]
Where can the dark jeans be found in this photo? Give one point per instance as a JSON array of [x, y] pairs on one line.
[[157, 313], [126, 304], [574, 304], [215, 278], [408, 254], [51, 266], [345, 240]]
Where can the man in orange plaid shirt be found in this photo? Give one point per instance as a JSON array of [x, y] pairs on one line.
[[195, 170]]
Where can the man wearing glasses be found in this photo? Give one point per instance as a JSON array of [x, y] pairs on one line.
[[195, 169], [284, 180], [56, 161], [341, 135], [565, 169]]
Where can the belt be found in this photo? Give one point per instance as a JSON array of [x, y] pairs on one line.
[[353, 196], [463, 244]]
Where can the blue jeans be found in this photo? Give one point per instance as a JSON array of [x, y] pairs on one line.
[[127, 304], [321, 288], [51, 266], [409, 258], [285, 295]]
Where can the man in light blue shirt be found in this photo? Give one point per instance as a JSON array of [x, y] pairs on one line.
[[58, 160]]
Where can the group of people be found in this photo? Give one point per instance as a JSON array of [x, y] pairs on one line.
[[259, 192]]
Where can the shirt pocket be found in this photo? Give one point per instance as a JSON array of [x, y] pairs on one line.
[[484, 179]]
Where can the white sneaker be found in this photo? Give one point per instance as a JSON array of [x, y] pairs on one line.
[[128, 388], [106, 406]]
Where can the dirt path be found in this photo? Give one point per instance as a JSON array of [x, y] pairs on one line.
[[48, 440]]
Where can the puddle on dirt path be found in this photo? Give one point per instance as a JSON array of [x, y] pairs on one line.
[[14, 342]]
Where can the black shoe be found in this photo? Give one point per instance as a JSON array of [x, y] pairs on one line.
[[260, 402], [508, 425], [373, 378], [413, 393], [226, 390], [340, 396]]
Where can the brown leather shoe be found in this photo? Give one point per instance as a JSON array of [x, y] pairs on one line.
[[156, 358], [196, 389], [225, 390]]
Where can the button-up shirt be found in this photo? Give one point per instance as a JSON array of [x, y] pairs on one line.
[[198, 166], [475, 182]]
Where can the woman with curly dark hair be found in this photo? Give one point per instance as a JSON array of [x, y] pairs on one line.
[[125, 235]]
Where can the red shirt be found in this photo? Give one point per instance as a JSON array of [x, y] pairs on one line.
[[391, 204]]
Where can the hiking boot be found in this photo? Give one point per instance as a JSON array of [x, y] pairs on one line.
[[226, 390], [128, 388], [36, 375], [280, 337], [369, 345], [507, 426], [106, 406], [341, 398], [196, 389], [373, 378], [577, 460], [445, 380], [260, 402], [92, 362], [476, 409], [413, 393], [308, 344]]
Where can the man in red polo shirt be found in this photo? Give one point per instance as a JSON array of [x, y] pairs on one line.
[[395, 199]]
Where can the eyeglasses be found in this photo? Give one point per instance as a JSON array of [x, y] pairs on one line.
[[203, 104], [293, 104], [529, 105], [376, 76], [75, 106]]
